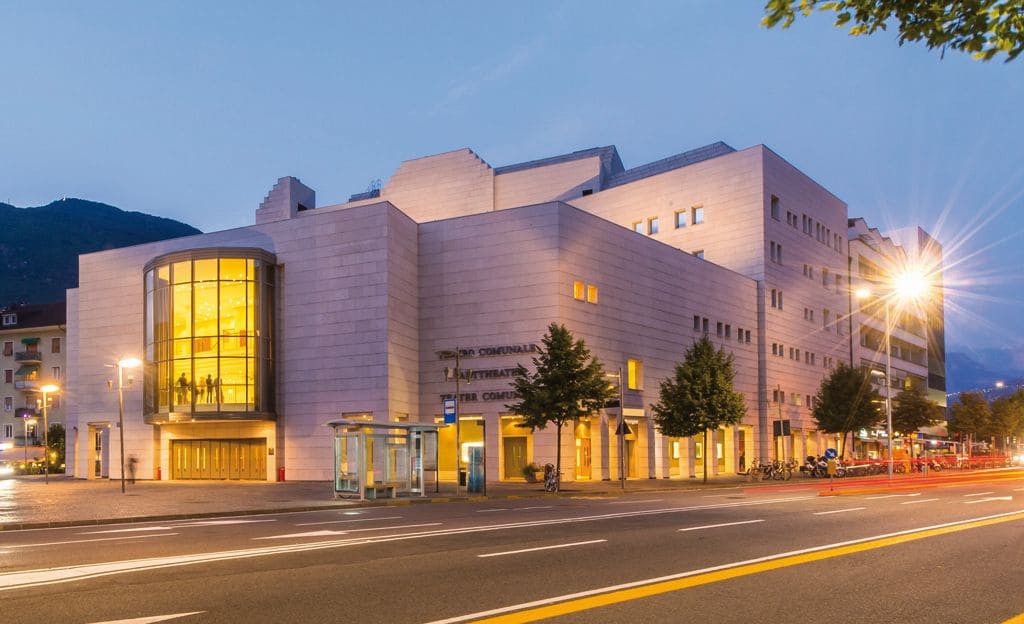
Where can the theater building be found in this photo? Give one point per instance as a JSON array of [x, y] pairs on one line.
[[253, 338]]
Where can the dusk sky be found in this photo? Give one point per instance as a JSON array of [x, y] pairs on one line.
[[193, 110]]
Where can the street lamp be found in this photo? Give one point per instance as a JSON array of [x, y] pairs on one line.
[[27, 422], [621, 429], [120, 365], [46, 390], [457, 373], [907, 285]]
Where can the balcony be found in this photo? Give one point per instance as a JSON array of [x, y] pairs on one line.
[[27, 384], [28, 357]]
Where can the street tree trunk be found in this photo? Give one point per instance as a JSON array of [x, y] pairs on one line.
[[558, 456]]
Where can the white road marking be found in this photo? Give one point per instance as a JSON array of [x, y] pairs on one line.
[[345, 531], [715, 526], [349, 520], [132, 530], [920, 500], [50, 576], [979, 494], [825, 513], [719, 495], [537, 507], [991, 498], [526, 550], [220, 522], [631, 502], [95, 539], [892, 496], [671, 577], [151, 619], [492, 510], [200, 523]]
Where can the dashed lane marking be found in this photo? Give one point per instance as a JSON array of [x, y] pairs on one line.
[[526, 550], [83, 541], [920, 500], [349, 520], [835, 511], [715, 526]]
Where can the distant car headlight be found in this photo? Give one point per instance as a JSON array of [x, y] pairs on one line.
[[1019, 458], [6, 471]]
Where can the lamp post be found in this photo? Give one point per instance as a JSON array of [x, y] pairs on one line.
[[457, 372], [27, 422], [621, 430], [46, 390], [120, 365]]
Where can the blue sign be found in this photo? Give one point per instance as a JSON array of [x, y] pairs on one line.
[[449, 411], [831, 453]]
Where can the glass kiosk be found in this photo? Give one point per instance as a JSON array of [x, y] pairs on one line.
[[373, 458]]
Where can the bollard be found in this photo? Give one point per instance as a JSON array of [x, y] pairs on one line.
[[280, 473]]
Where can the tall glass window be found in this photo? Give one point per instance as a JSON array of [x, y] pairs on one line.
[[208, 336]]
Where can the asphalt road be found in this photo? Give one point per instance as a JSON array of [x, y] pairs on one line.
[[776, 554]]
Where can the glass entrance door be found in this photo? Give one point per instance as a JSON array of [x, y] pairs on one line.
[[219, 459], [515, 456], [583, 458]]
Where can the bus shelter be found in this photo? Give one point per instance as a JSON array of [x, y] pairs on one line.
[[374, 458]]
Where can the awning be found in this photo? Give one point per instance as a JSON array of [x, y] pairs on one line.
[[29, 341], [26, 369]]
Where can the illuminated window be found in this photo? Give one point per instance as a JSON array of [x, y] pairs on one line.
[[578, 291], [591, 293], [635, 374], [10, 319], [207, 336], [698, 215], [680, 219]]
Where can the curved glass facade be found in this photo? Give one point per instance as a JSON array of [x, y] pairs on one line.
[[208, 336]]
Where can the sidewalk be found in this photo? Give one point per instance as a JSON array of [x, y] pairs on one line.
[[26, 502]]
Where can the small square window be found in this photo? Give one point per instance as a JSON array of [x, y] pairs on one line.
[[578, 290], [588, 192], [10, 319], [638, 227], [652, 225], [680, 219], [591, 293], [698, 215]]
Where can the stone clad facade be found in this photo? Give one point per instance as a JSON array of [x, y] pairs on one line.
[[453, 253]]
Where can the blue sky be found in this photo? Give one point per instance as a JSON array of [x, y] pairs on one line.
[[192, 110]]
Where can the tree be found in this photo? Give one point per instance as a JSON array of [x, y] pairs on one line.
[[567, 384], [970, 415], [56, 437], [699, 397], [911, 410], [846, 402], [1005, 420], [984, 28]]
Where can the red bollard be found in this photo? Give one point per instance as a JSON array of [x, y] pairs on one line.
[[280, 473], [158, 473]]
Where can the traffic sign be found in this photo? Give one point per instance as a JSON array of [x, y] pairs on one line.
[[623, 429], [831, 453], [449, 411]]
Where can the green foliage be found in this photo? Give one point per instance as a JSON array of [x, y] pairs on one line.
[[39, 247], [846, 402], [983, 28], [970, 415], [56, 437], [912, 410], [567, 384], [699, 396], [1007, 417]]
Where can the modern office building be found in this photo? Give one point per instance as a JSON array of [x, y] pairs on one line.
[[33, 353], [253, 338]]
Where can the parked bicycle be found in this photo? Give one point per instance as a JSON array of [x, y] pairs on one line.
[[552, 478]]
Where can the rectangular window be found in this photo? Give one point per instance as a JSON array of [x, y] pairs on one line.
[[10, 319], [797, 358], [8, 348], [8, 404], [699, 253], [719, 329], [55, 345], [55, 372], [9, 376], [591, 293], [578, 291], [824, 277], [705, 324], [775, 348], [696, 322], [771, 251], [635, 374], [825, 319], [680, 219], [782, 351], [839, 284], [775, 208], [652, 225], [746, 336], [698, 215], [775, 298], [791, 353], [638, 227], [739, 334], [55, 402], [728, 330], [8, 430]]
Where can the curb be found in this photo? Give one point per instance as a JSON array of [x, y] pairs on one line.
[[400, 502]]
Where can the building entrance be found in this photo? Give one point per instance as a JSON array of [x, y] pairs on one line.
[[515, 456], [219, 459]]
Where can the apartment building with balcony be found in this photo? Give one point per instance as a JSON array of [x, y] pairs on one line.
[[32, 353]]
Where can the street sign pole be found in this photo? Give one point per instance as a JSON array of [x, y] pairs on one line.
[[458, 438]]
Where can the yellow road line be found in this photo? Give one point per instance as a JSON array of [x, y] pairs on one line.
[[1017, 619], [654, 589]]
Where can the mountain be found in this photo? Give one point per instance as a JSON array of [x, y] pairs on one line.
[[39, 247], [982, 368]]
